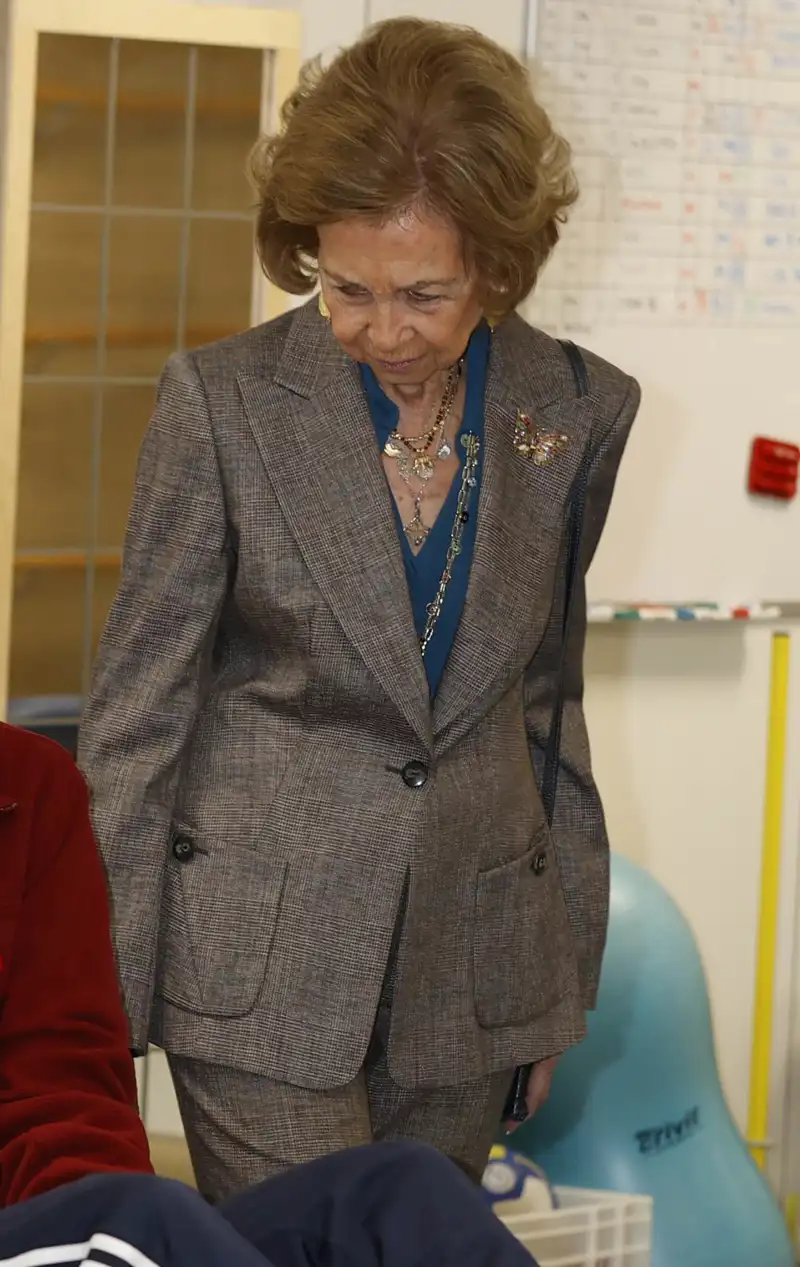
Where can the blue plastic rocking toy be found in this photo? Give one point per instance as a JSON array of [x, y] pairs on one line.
[[638, 1107]]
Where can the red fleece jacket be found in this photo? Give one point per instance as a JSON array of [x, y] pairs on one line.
[[67, 1083]]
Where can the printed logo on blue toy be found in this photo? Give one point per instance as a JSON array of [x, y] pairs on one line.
[[657, 1139]]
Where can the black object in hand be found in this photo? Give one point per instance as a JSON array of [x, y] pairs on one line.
[[516, 1106]]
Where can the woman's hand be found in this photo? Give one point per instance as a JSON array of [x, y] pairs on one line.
[[539, 1084]]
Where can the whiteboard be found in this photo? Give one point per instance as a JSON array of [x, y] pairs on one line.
[[681, 263]]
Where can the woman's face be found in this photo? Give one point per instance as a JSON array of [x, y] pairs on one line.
[[399, 295]]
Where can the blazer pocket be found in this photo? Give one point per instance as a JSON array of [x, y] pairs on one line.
[[523, 952], [220, 908]]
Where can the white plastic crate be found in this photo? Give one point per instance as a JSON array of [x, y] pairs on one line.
[[589, 1229]]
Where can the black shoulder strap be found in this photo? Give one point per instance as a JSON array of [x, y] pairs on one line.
[[575, 526], [578, 366], [515, 1109]]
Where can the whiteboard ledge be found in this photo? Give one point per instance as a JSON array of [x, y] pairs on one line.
[[763, 612]]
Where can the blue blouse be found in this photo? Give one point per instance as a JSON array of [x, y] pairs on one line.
[[424, 570]]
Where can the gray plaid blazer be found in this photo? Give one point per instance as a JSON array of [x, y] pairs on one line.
[[259, 689]]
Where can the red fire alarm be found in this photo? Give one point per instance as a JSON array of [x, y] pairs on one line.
[[773, 468]]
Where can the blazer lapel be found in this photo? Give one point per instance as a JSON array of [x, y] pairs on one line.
[[521, 519], [317, 442]]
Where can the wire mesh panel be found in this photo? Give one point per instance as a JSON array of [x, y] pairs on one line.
[[141, 242]]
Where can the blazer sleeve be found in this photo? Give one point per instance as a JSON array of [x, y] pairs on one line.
[[152, 666], [68, 1102], [579, 829]]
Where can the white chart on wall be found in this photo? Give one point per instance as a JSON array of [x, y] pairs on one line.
[[681, 263]]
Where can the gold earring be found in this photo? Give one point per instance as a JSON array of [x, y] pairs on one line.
[[324, 310]]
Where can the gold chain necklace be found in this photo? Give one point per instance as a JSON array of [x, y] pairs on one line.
[[412, 452], [414, 461], [418, 444]]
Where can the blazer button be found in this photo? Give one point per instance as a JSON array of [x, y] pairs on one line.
[[183, 848], [539, 864], [415, 774]]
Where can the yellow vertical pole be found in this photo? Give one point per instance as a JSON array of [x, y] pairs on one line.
[[790, 1209], [761, 1058]]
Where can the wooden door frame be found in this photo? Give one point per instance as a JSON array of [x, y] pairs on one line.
[[277, 32]]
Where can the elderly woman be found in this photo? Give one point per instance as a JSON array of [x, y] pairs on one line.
[[323, 732]]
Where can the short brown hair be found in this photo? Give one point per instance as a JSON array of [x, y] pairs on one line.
[[416, 113]]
